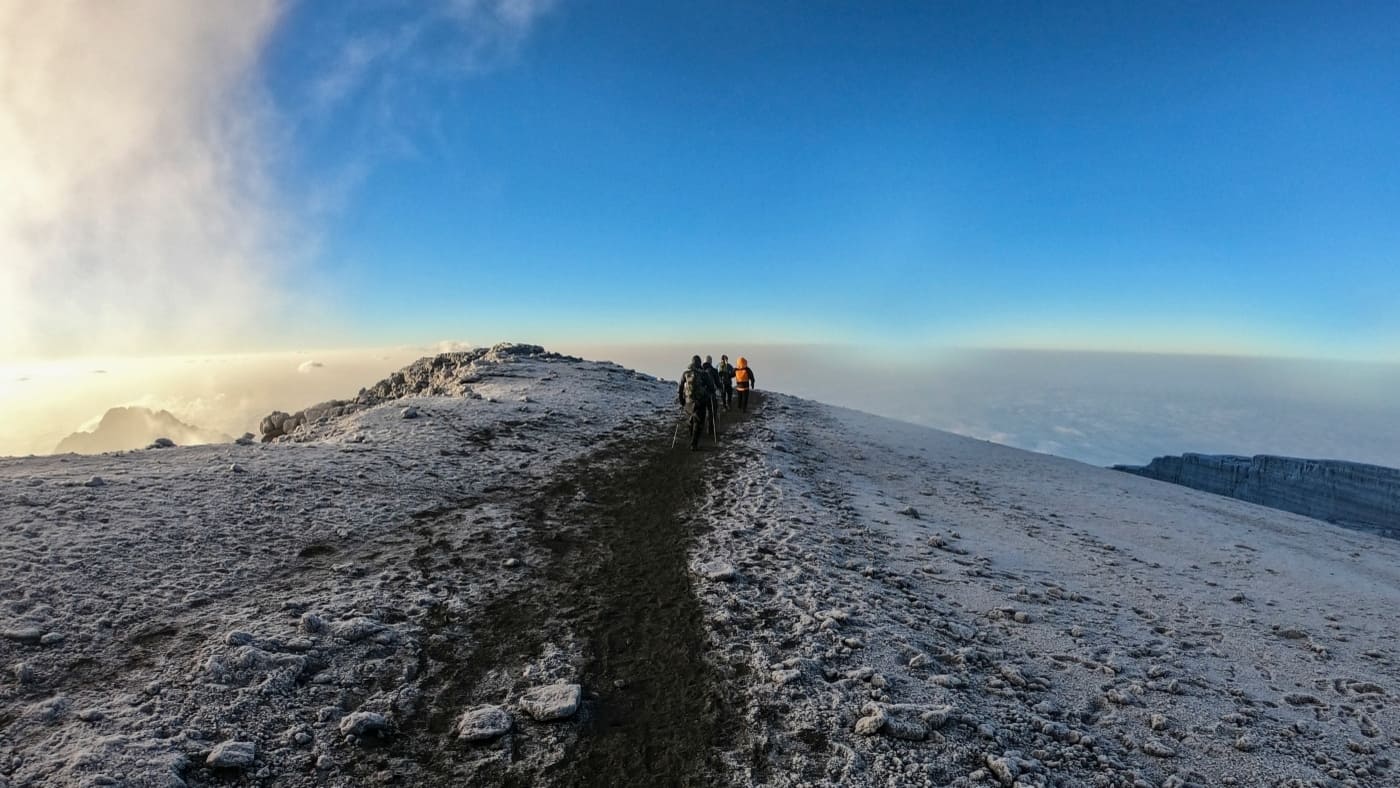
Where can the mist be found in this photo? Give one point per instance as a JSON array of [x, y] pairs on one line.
[[46, 402], [138, 211], [1100, 408]]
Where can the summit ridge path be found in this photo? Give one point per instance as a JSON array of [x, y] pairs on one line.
[[614, 533]]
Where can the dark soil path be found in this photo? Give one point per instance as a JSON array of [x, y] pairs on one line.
[[661, 713], [617, 529]]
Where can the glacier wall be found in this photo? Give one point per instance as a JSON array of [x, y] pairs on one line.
[[1348, 493]]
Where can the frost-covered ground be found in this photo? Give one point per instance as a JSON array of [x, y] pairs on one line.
[[916, 608], [828, 598]]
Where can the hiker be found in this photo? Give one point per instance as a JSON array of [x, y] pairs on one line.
[[697, 397], [743, 382], [726, 379], [715, 386]]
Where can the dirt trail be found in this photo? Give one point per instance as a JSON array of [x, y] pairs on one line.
[[660, 713], [612, 535]]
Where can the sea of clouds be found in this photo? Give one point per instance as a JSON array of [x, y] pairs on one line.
[[1099, 408]]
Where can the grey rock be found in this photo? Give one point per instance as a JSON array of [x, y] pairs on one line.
[[96, 481], [909, 729], [26, 634], [716, 570], [872, 723], [162, 443], [361, 722], [356, 629], [552, 702], [233, 755], [1158, 749], [272, 425], [961, 631], [484, 723], [786, 676], [1006, 769], [938, 716], [312, 623]]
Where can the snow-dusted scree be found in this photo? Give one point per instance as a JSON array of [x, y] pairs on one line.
[[491, 568]]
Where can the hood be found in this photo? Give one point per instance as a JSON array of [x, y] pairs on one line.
[[742, 362]]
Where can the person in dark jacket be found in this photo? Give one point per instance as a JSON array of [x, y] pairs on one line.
[[716, 387], [743, 382], [696, 395], [726, 380]]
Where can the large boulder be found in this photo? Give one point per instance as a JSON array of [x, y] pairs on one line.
[[271, 425]]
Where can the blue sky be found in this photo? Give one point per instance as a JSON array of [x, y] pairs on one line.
[[1176, 176], [1182, 177]]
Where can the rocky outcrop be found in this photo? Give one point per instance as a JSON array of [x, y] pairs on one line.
[[1347, 493], [446, 374]]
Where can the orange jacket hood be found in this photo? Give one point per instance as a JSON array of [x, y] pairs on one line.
[[742, 363]]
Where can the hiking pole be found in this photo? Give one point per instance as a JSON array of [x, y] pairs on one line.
[[674, 433]]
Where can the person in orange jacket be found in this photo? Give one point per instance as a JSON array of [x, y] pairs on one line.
[[743, 382]]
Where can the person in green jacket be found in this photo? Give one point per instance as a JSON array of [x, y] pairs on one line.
[[726, 380]]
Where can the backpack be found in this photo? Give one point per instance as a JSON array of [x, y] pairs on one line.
[[694, 385], [741, 376]]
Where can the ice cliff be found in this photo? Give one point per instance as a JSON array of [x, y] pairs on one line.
[[1348, 493]]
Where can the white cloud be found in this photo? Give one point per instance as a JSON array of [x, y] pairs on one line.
[[448, 37], [454, 346], [135, 149], [307, 366], [143, 206]]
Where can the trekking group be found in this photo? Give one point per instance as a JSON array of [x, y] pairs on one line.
[[705, 388]]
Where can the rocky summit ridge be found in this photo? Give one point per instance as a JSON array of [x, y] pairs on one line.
[[443, 375]]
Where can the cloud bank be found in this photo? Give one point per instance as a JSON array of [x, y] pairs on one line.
[[138, 209], [146, 203]]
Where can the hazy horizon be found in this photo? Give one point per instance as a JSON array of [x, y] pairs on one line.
[[1100, 408]]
